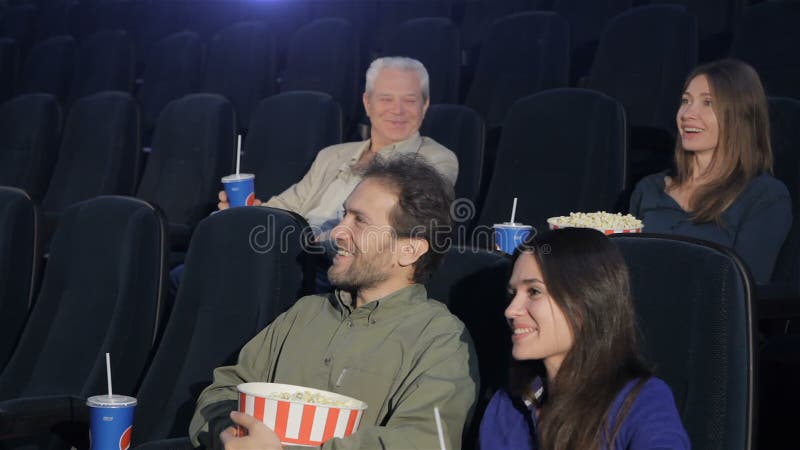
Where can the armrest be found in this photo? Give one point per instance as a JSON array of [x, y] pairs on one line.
[[30, 416], [777, 301], [167, 444]]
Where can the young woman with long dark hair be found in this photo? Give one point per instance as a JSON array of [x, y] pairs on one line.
[[578, 381]]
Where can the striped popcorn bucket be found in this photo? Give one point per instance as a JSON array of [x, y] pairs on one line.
[[297, 421]]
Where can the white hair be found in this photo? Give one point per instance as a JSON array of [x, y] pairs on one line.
[[399, 63]]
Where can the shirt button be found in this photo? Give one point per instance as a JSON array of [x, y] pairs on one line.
[[327, 360]]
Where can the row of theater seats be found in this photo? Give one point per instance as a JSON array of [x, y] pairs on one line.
[[149, 21], [103, 291], [559, 151], [642, 56], [193, 147]]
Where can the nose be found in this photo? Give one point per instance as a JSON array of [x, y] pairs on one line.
[[688, 111], [340, 231], [514, 307], [397, 107]]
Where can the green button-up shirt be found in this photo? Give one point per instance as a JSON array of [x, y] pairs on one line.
[[403, 355]]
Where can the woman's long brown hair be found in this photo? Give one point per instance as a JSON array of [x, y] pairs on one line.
[[743, 151], [588, 279]]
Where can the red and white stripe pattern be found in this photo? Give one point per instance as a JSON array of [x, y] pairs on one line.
[[606, 231], [301, 423]]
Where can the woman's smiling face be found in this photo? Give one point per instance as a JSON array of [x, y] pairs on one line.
[[697, 121], [540, 329]]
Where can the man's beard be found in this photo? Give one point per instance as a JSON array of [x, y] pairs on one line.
[[363, 273]]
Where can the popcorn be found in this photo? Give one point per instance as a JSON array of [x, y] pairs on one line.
[[601, 220], [313, 397]]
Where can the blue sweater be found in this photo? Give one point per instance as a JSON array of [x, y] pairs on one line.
[[754, 226], [652, 422]]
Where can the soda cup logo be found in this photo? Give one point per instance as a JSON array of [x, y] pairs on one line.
[[251, 199], [125, 439]]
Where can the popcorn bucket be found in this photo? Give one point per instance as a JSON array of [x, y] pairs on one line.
[[555, 223], [300, 415]]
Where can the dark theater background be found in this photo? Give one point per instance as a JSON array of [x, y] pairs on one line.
[[119, 118]]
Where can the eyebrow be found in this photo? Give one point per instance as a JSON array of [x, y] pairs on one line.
[[354, 211], [527, 282], [702, 94]]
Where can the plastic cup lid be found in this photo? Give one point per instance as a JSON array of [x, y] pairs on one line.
[[512, 225], [237, 177], [113, 401]]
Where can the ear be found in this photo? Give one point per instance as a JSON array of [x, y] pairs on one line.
[[411, 250], [425, 106], [365, 100]]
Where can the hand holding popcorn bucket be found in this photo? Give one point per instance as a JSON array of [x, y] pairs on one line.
[[602, 221], [300, 415]]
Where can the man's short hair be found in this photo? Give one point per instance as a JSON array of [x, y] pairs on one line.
[[423, 205], [399, 63]]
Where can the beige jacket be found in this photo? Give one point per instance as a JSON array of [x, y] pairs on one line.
[[334, 161]]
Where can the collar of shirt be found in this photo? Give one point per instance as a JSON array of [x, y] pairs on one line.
[[392, 306], [410, 145]]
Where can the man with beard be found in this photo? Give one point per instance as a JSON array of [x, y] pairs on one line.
[[377, 338]]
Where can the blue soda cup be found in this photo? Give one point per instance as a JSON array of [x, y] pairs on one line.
[[110, 421], [240, 189], [509, 235]]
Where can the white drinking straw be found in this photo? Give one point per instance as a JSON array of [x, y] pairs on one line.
[[514, 210], [108, 372], [439, 427], [238, 152]]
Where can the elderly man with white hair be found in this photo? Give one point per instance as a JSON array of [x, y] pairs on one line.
[[396, 97]]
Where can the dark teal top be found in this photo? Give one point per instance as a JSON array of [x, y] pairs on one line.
[[754, 226]]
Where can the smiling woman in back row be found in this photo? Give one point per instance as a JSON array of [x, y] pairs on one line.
[[721, 188]]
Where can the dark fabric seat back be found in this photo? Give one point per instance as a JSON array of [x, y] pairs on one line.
[[642, 59], [523, 54], [49, 67], [586, 22], [20, 255], [153, 22], [332, 68], [561, 151], [29, 131], [9, 66], [361, 15], [192, 150], [695, 312], [773, 26], [243, 268], [587, 19], [286, 132], [18, 22], [478, 16], [472, 283], [101, 292], [174, 69], [241, 67], [462, 130], [715, 23], [784, 115], [442, 60], [99, 151], [104, 63]]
